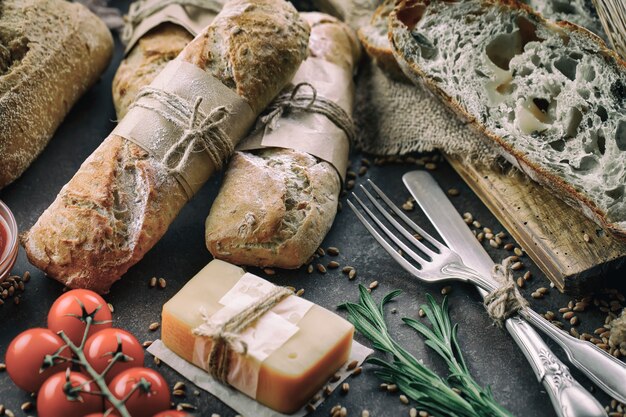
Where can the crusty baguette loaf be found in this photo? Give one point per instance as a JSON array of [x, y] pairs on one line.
[[147, 58], [551, 96], [51, 52], [121, 201], [276, 205]]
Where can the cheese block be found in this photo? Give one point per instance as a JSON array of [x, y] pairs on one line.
[[294, 371]]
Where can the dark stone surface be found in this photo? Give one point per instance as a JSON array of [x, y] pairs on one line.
[[492, 355]]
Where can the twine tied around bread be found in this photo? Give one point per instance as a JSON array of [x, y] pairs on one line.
[[296, 100], [139, 10], [506, 300], [226, 338], [201, 132]]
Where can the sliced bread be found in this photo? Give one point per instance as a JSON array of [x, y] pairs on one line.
[[374, 38], [579, 12], [551, 96]]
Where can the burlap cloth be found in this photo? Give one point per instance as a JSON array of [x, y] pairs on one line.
[[394, 118]]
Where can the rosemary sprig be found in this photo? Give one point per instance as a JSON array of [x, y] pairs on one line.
[[436, 395]]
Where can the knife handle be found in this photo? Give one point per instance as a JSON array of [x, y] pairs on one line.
[[568, 397], [606, 371]]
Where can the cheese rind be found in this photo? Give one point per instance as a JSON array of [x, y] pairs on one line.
[[291, 374]]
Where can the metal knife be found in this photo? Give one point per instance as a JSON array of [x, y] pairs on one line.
[[568, 397]]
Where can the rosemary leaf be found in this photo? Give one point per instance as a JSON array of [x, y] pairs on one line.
[[433, 393]]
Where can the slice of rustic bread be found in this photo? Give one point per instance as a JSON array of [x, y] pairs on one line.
[[374, 38], [579, 12], [552, 96]]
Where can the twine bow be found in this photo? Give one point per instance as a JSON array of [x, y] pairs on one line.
[[139, 10], [226, 338], [308, 102], [505, 301], [201, 132]]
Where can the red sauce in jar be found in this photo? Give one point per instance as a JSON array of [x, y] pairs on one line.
[[3, 237]]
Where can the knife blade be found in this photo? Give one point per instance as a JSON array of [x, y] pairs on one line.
[[568, 397]]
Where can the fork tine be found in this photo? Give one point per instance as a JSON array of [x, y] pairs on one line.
[[391, 235], [405, 219], [397, 225], [390, 250]]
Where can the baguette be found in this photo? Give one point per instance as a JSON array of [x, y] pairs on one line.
[[550, 96], [147, 58], [276, 205], [121, 201], [51, 52]]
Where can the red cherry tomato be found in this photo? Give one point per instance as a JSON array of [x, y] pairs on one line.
[[172, 413], [102, 346], [25, 357], [57, 396], [151, 397], [67, 314]]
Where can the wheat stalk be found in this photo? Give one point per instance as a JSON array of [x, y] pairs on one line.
[[613, 16]]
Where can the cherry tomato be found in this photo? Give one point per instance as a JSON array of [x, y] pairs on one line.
[[152, 396], [102, 346], [67, 314], [172, 413], [57, 398], [25, 357]]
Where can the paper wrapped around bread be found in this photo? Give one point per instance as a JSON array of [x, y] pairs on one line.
[[51, 52], [122, 199], [155, 33], [276, 204]]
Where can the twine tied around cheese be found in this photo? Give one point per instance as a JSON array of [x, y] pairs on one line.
[[202, 132], [139, 10], [506, 300], [297, 100], [226, 338]]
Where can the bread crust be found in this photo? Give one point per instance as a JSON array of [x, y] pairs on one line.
[[563, 190], [121, 202], [66, 48], [276, 205]]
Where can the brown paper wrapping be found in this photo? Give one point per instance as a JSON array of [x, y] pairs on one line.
[[156, 135], [312, 132], [193, 17]]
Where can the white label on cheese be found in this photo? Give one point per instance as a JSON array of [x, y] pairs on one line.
[[263, 338]]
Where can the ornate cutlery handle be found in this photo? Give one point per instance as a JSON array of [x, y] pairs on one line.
[[603, 369], [568, 397], [606, 371]]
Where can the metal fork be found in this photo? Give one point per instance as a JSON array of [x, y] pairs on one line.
[[444, 264]]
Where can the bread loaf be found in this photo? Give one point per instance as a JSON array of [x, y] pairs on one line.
[[147, 58], [552, 97], [51, 52], [276, 205], [122, 199]]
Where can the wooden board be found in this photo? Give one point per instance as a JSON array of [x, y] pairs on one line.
[[550, 231]]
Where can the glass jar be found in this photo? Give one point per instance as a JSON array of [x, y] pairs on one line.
[[8, 241]]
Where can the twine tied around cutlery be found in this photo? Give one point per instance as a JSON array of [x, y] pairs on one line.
[[201, 132], [226, 338], [296, 100], [139, 10], [506, 300]]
